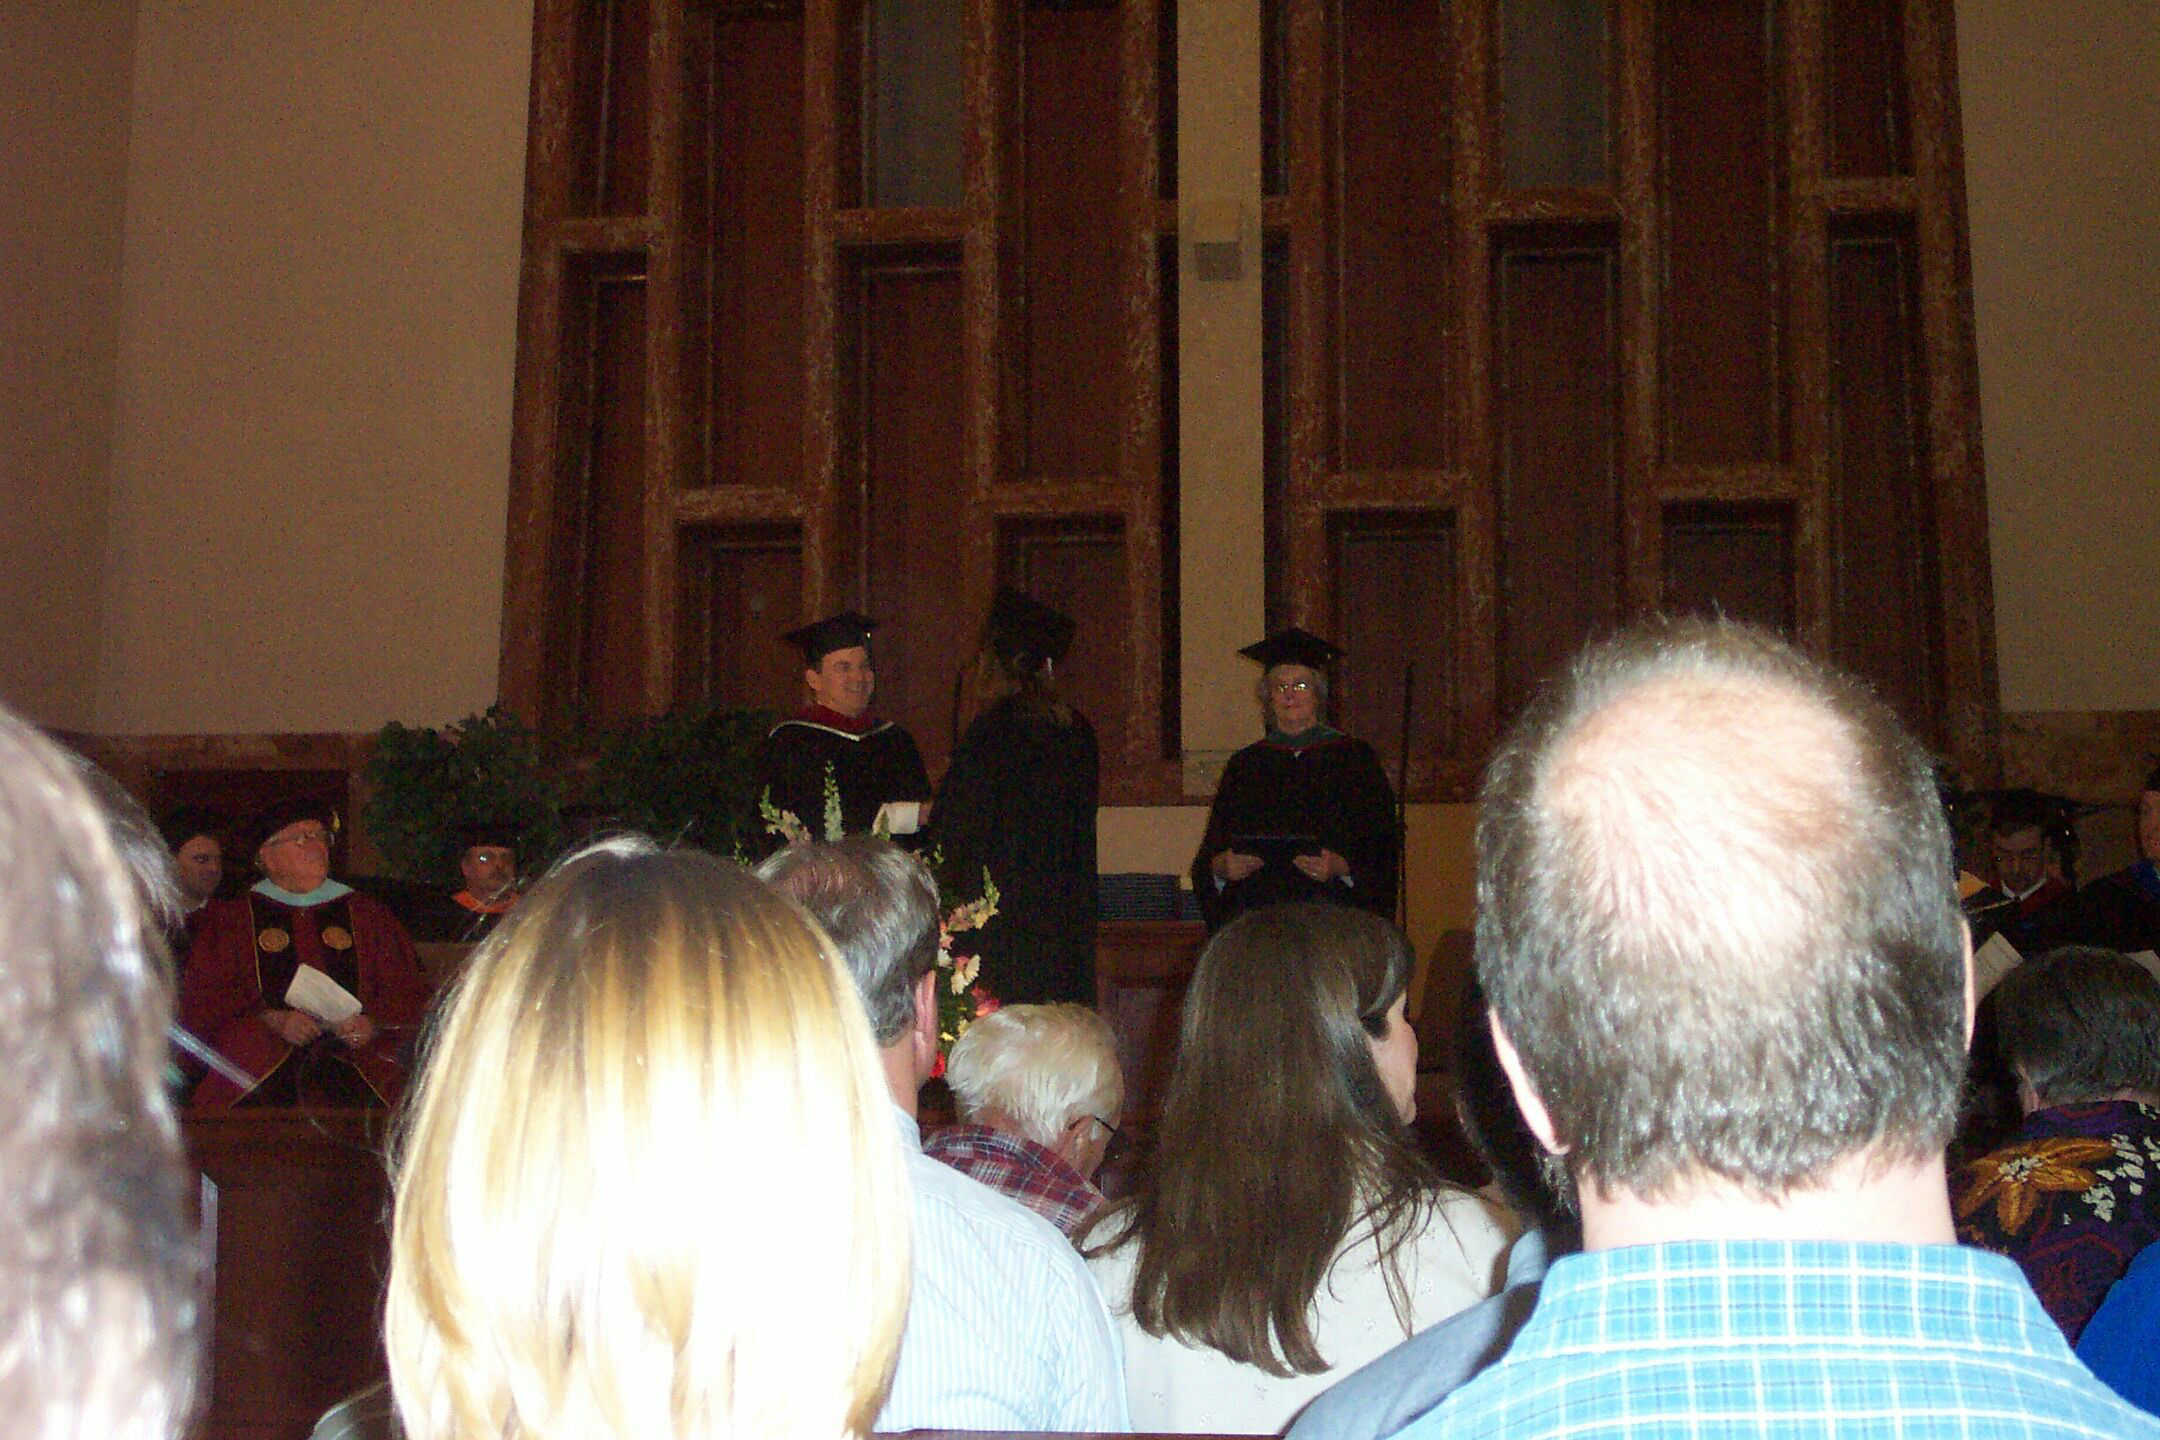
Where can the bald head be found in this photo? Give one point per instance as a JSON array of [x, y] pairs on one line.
[[1716, 916]]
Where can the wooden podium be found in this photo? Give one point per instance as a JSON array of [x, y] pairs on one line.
[[298, 1203], [1142, 968]]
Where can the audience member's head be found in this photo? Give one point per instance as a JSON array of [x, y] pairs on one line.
[[880, 906], [2081, 1024], [2021, 830], [1534, 1184], [1716, 920], [1048, 1073], [193, 835], [645, 1187], [142, 847], [98, 1261], [1285, 1123]]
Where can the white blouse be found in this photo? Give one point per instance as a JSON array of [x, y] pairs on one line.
[[1457, 1260]]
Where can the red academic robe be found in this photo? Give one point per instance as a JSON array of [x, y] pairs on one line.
[[245, 953]]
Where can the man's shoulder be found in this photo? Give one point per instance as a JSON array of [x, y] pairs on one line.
[[957, 1208], [1827, 1340]]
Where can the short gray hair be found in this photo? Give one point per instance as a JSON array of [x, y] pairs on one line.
[[879, 905], [1044, 1065]]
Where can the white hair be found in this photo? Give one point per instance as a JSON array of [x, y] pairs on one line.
[[1043, 1065]]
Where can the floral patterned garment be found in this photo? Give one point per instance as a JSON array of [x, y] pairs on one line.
[[2071, 1198]]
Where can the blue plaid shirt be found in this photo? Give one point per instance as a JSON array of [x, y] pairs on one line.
[[1786, 1341]]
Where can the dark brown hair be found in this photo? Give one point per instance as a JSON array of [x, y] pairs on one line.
[[2081, 1023], [1277, 1139], [1715, 915], [1025, 677]]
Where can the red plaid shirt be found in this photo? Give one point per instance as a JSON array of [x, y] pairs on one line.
[[1017, 1166]]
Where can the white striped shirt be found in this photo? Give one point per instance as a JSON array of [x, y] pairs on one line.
[[1006, 1329]]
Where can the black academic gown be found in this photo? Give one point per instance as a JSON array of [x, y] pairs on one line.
[[1331, 789], [2122, 910], [1020, 801], [873, 761]]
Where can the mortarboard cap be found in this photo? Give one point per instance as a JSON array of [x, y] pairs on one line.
[[835, 632], [291, 811], [183, 823], [503, 833], [1021, 626], [1292, 647]]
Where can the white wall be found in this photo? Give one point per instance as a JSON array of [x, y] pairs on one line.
[[63, 168], [317, 338], [2062, 127]]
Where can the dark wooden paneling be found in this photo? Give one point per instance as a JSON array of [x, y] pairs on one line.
[[1557, 424], [1071, 315], [1731, 557], [611, 147], [1274, 98], [1388, 319], [1555, 93], [1078, 565], [1721, 161], [1870, 122], [741, 589], [1274, 422], [595, 650], [913, 101], [1880, 511], [1396, 607], [743, 273], [1166, 93], [1170, 710], [913, 494]]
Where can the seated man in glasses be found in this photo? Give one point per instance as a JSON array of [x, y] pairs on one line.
[[1038, 1090], [310, 988]]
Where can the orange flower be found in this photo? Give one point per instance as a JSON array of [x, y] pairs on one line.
[[2016, 1178]]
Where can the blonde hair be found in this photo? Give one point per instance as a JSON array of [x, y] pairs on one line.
[[1044, 1065], [649, 1184]]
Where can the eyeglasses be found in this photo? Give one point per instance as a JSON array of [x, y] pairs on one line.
[[304, 837], [1290, 687], [1114, 1131]]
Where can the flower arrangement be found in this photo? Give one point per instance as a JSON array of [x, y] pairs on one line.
[[960, 999]]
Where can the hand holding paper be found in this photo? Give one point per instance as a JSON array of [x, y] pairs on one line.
[[320, 996]]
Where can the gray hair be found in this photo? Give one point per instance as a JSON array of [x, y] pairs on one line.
[[1715, 915], [99, 1306], [1044, 1065], [879, 905], [2081, 1024]]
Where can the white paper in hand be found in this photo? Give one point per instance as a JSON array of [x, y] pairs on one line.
[[1991, 962], [321, 996]]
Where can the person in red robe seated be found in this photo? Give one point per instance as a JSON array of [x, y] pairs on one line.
[[305, 1045]]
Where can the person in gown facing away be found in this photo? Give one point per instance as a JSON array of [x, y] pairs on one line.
[[234, 991], [873, 762], [1019, 801], [1303, 814], [648, 1189], [1285, 1228]]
